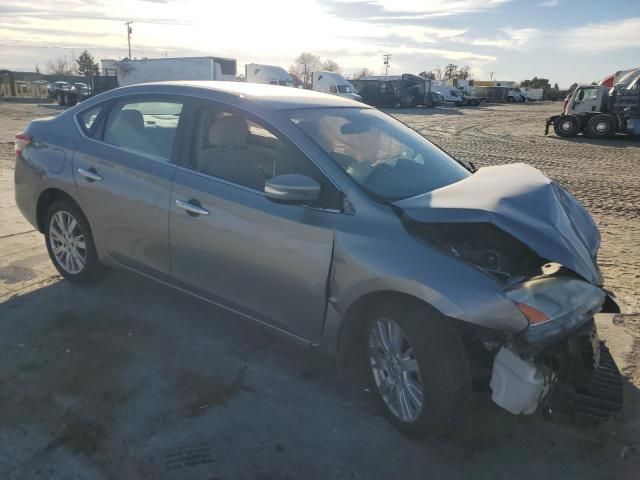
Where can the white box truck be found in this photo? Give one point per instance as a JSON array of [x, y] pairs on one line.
[[269, 74], [533, 94], [335, 84], [130, 72]]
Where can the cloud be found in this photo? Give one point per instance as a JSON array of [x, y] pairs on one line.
[[549, 3], [511, 38], [603, 37], [405, 11]]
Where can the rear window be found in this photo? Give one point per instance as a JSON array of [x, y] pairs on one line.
[[144, 127], [87, 119]]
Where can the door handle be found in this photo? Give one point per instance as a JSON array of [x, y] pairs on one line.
[[191, 208], [91, 175]]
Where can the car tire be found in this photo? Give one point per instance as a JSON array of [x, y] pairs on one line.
[[71, 100], [70, 243], [61, 98], [422, 380], [566, 126], [601, 126]]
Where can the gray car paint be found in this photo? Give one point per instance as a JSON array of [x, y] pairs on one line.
[[322, 262]]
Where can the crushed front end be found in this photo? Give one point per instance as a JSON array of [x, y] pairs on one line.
[[539, 245], [558, 364]]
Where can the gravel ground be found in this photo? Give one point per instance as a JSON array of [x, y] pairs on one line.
[[131, 380]]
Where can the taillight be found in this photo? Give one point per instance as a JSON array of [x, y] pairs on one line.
[[22, 140]]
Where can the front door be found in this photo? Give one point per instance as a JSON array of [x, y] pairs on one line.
[[124, 176], [231, 244]]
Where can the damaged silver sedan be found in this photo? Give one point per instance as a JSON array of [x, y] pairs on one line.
[[340, 227]]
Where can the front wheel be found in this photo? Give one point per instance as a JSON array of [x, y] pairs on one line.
[[70, 243], [418, 366], [61, 98], [566, 126]]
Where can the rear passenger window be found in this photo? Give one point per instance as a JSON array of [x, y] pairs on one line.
[[231, 146], [146, 127], [88, 118]]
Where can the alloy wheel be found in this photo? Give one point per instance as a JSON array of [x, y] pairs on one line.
[[395, 369], [67, 242]]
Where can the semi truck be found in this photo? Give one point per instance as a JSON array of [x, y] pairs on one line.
[[269, 74], [600, 111], [130, 72], [500, 94], [500, 91], [334, 84]]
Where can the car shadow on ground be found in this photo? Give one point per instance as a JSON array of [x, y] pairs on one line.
[[119, 376]]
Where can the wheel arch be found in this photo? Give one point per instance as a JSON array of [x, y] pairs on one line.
[[47, 198], [352, 325]]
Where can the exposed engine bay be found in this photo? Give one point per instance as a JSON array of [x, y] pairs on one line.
[[483, 245]]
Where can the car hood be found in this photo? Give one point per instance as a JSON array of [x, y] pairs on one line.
[[523, 202]]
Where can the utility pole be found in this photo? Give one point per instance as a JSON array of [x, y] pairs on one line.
[[387, 63], [491, 74], [129, 32]]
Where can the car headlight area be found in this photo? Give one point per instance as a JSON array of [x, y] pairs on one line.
[[555, 305]]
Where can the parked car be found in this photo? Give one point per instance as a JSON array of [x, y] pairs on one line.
[[54, 88], [338, 226], [82, 90]]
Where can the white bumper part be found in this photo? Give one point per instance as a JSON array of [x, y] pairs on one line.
[[518, 385]]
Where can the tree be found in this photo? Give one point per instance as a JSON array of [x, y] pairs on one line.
[[450, 71], [59, 66], [86, 65], [427, 75], [572, 87], [331, 66], [304, 65], [36, 68], [536, 82], [365, 72], [453, 71], [463, 72]]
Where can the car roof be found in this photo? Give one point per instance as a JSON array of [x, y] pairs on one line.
[[274, 96]]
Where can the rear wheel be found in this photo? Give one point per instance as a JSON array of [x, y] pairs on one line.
[[418, 367], [70, 243], [566, 126], [61, 98], [71, 99], [601, 125]]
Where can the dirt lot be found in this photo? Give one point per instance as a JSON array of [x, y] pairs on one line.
[[130, 380]]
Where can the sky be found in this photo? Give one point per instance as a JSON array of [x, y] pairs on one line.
[[565, 41]]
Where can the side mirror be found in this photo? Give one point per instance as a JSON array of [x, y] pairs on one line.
[[292, 188]]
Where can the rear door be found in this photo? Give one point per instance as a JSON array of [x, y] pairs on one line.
[[123, 173], [234, 246]]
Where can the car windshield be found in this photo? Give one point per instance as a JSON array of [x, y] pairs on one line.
[[344, 89], [388, 159]]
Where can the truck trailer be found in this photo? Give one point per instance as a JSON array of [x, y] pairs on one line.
[[418, 89], [131, 72], [600, 111]]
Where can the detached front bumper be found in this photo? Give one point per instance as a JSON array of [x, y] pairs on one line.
[[574, 376]]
